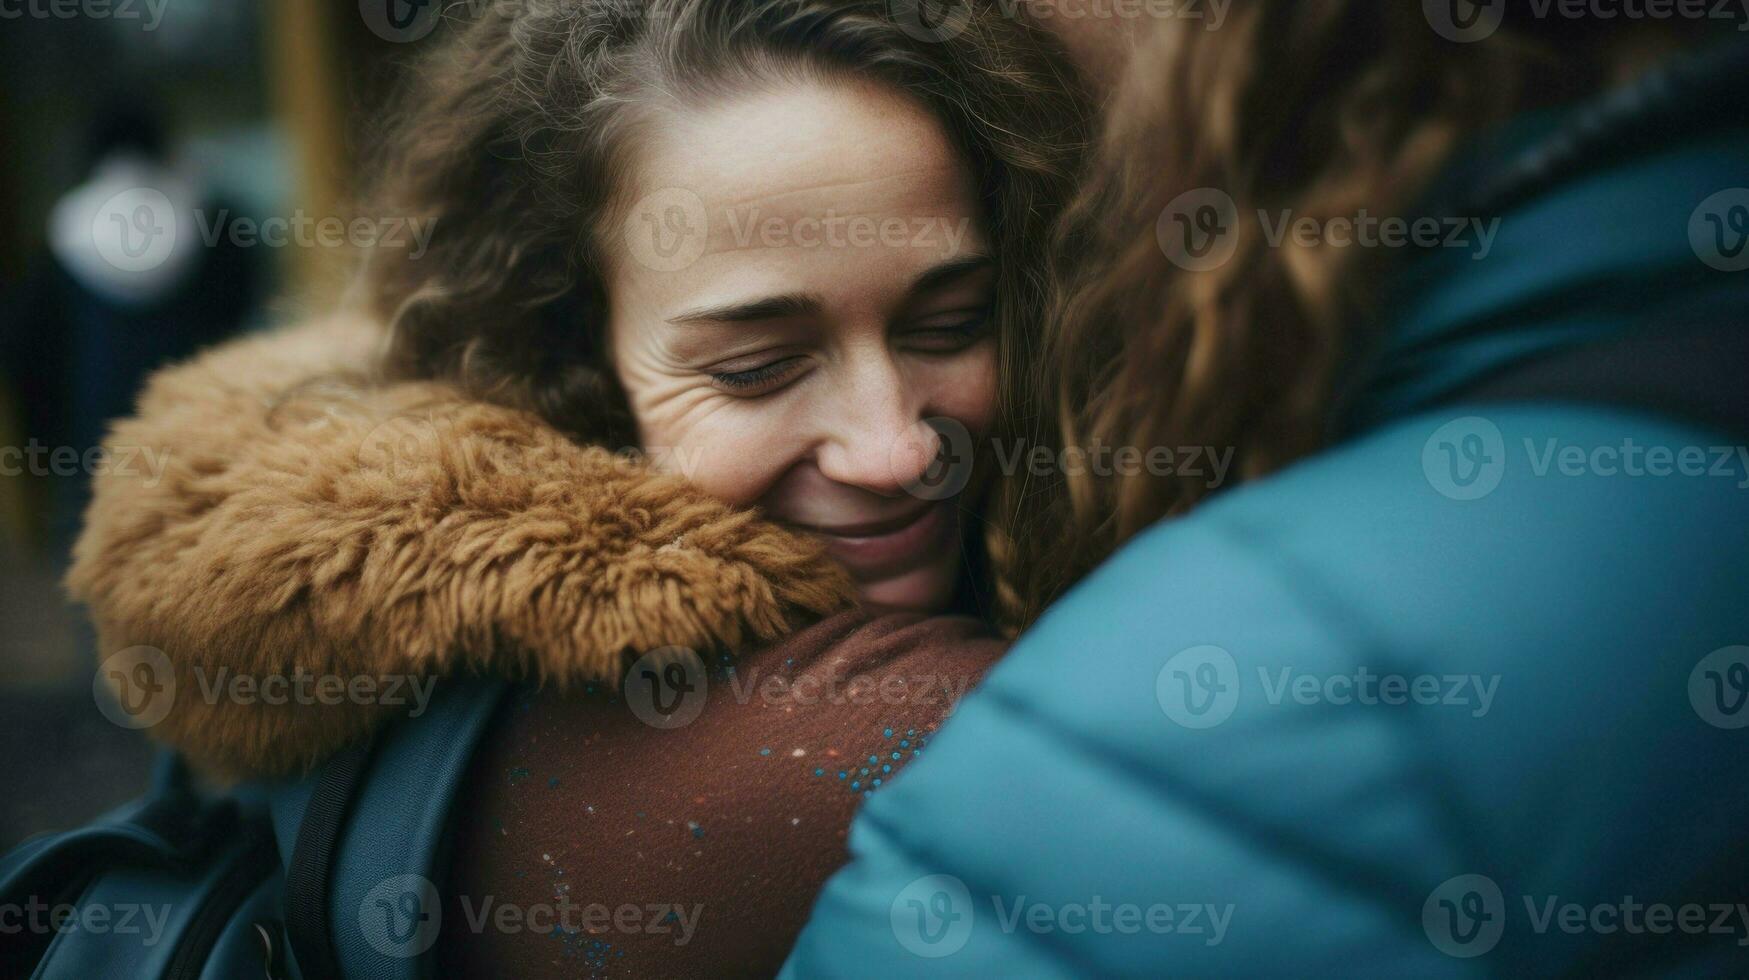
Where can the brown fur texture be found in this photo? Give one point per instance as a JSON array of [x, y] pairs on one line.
[[309, 521]]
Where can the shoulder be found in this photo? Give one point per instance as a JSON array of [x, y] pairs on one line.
[[1311, 704], [694, 849]]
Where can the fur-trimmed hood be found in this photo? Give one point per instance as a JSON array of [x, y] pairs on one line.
[[299, 521]]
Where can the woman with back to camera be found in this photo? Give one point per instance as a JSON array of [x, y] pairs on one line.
[[1406, 688]]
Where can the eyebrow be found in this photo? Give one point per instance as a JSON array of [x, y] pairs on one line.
[[803, 304]]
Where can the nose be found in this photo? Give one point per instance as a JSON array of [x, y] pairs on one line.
[[876, 437]]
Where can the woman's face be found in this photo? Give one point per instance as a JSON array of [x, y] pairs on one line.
[[803, 282]]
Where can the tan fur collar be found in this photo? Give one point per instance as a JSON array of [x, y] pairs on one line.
[[304, 522]]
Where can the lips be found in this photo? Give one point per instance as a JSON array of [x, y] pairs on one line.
[[879, 549]]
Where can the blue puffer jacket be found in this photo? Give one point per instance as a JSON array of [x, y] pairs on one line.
[[1463, 695]]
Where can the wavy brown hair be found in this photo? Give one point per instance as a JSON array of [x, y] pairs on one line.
[[516, 137], [1323, 107]]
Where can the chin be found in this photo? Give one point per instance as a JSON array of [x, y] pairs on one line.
[[926, 589]]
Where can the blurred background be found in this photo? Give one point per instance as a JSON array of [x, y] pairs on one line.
[[159, 158]]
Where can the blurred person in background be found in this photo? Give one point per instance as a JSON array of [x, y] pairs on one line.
[[131, 278]]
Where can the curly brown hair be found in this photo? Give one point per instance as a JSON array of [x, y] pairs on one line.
[[514, 138], [1321, 107]]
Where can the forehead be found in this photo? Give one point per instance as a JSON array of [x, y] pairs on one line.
[[842, 183]]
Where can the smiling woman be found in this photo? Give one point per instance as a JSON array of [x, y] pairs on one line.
[[772, 246], [776, 249], [799, 376], [801, 250]]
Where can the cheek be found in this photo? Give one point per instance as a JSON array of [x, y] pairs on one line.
[[964, 389], [733, 452]]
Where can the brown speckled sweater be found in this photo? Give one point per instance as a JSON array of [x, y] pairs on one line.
[[621, 850]]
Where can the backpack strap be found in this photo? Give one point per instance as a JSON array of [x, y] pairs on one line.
[[312, 859], [171, 831], [371, 841]]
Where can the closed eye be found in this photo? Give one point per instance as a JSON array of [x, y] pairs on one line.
[[947, 337], [758, 380]]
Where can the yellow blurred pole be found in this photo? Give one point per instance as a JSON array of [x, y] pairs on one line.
[[308, 98], [16, 530]]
